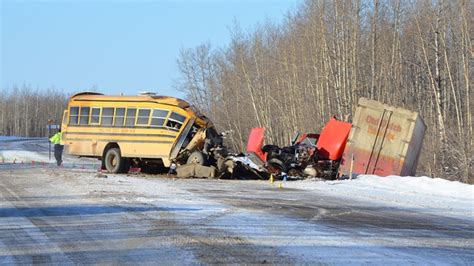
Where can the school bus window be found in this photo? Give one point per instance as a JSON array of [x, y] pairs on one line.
[[159, 117], [84, 116], [107, 116], [119, 117], [177, 117], [95, 116], [175, 121], [143, 117], [74, 116], [130, 119]]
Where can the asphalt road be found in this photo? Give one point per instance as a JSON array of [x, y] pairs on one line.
[[52, 215], [65, 216]]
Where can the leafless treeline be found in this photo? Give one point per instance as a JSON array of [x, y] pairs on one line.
[[25, 112], [327, 54]]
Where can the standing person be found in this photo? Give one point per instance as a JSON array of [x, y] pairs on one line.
[[58, 148]]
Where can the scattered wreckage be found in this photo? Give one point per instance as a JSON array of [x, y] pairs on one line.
[[382, 140], [315, 155], [209, 158], [149, 132]]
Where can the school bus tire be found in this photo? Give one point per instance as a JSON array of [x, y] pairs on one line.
[[197, 157], [113, 160]]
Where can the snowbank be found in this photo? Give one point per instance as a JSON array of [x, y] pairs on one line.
[[400, 184], [27, 156], [32, 149], [8, 138], [424, 194], [421, 185]]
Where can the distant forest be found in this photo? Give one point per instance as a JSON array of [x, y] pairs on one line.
[[327, 54], [25, 112]]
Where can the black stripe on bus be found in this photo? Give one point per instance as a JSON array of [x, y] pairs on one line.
[[119, 140], [137, 127], [119, 134]]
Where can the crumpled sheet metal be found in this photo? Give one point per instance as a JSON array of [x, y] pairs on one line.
[[251, 160]]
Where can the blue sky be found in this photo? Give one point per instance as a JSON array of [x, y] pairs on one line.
[[116, 46]]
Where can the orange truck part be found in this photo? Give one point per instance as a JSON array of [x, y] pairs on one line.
[[255, 142], [332, 139]]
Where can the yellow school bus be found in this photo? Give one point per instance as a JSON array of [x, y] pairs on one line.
[[145, 131]]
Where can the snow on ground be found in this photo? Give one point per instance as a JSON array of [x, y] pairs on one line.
[[27, 156], [33, 149], [425, 193]]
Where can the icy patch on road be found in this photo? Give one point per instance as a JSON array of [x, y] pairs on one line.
[[295, 239], [186, 219], [318, 242]]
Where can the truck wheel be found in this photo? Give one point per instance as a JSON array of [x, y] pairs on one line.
[[197, 157], [113, 161], [275, 166]]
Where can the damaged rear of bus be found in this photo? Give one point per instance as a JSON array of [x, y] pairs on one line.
[[197, 142]]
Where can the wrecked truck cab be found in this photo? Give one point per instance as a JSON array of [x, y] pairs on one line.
[[309, 154]]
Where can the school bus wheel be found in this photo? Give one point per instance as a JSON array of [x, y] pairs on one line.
[[197, 157], [113, 160]]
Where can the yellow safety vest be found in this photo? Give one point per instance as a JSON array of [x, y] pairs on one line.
[[56, 139]]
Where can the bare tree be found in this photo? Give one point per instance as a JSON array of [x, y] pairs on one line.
[[326, 54]]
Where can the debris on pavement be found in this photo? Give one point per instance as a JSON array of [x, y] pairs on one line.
[[100, 175], [196, 170]]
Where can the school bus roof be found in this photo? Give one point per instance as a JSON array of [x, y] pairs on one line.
[[94, 96]]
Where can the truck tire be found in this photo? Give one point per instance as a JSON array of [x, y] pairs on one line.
[[113, 161], [197, 157], [275, 166]]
